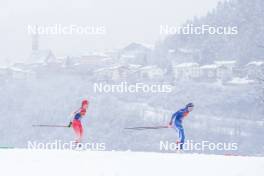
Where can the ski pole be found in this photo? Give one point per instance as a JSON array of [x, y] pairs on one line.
[[146, 128], [6, 147], [64, 126]]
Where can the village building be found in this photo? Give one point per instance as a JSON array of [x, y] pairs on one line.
[[186, 71]]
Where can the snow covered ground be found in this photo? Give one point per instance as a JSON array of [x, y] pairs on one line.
[[15, 162]]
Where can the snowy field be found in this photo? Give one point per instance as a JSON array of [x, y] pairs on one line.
[[86, 163]]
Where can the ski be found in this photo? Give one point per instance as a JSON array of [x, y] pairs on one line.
[[63, 126], [6, 147]]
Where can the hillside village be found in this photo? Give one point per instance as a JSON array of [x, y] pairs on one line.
[[130, 64]]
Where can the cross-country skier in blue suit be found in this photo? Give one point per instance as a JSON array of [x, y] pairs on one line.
[[176, 122]]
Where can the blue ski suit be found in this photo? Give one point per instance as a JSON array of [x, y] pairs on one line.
[[176, 121]]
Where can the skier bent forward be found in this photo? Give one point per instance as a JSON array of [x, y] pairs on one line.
[[76, 122], [176, 122]]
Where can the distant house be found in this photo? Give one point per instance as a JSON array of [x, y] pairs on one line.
[[152, 72], [105, 74], [93, 58], [114, 54], [117, 72], [16, 73], [230, 64], [225, 69], [91, 61], [253, 69], [5, 73], [135, 53], [186, 71], [239, 71], [41, 63], [224, 73], [41, 56], [20, 74], [129, 58], [181, 55], [209, 72], [134, 72], [240, 81], [87, 65]]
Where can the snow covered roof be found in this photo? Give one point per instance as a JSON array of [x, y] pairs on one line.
[[223, 62], [148, 45], [3, 67], [127, 56], [100, 69], [109, 68], [134, 66], [187, 64], [212, 66], [150, 67], [16, 69], [20, 70], [41, 56], [187, 50], [171, 50], [95, 54], [137, 46], [256, 63], [240, 81], [115, 67], [61, 57], [106, 59]]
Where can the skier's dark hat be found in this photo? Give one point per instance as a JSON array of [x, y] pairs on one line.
[[189, 105]]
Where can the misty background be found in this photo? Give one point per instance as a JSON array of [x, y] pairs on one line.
[[221, 74], [125, 22]]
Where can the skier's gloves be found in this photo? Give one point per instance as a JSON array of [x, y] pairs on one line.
[[70, 124]]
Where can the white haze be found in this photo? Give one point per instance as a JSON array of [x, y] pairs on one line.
[[126, 21]]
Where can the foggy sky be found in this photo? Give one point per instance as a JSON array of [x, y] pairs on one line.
[[125, 22]]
